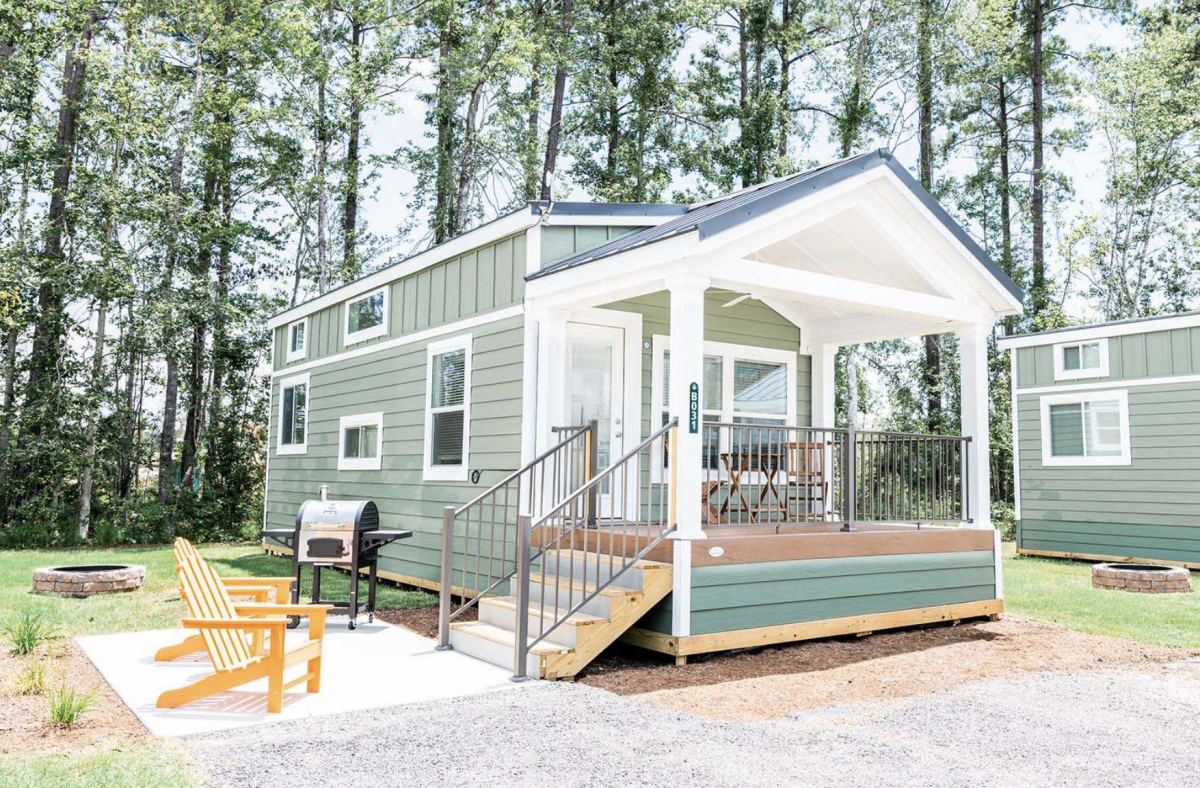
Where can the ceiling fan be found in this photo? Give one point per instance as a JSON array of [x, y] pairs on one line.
[[741, 298]]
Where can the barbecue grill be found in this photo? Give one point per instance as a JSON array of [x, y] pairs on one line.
[[342, 534]]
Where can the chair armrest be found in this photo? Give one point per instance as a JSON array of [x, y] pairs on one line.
[[269, 609], [235, 623], [249, 581]]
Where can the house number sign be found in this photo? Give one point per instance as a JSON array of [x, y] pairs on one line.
[[694, 408]]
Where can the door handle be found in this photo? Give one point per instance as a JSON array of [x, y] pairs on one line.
[[619, 435]]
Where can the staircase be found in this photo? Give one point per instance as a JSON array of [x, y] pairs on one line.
[[581, 636]]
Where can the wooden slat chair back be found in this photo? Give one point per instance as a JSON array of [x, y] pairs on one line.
[[806, 472], [228, 633]]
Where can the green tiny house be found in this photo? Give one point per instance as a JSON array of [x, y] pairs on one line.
[[635, 403], [1106, 422]]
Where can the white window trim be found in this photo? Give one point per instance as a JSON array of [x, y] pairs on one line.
[[366, 333], [728, 352], [447, 473], [1122, 398], [1061, 373], [295, 355], [360, 463], [294, 448]]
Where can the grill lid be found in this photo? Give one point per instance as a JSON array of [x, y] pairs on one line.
[[337, 516]]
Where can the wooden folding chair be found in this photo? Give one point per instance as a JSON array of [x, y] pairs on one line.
[[806, 477], [257, 589], [226, 628]]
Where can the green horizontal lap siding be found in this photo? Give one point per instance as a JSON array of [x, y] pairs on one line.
[[562, 241], [393, 381], [485, 279], [1149, 510], [745, 596], [1152, 354]]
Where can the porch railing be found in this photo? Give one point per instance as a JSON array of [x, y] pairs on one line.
[[480, 539], [771, 474]]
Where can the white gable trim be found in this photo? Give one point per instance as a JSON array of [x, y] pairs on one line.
[[1149, 326]]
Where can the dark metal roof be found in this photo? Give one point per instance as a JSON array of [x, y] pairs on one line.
[[715, 216], [651, 209]]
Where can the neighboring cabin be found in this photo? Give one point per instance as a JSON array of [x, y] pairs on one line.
[[1106, 424]]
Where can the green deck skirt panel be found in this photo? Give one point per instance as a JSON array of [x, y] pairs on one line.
[[744, 596]]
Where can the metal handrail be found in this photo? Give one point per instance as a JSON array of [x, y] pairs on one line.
[[555, 472], [564, 518]]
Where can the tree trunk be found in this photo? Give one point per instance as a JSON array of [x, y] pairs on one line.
[[322, 186], [1038, 290], [931, 368], [533, 188], [130, 417], [444, 120], [743, 89], [93, 427], [350, 205], [1006, 251], [556, 107], [195, 374], [785, 83]]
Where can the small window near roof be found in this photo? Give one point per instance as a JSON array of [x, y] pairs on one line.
[[1073, 360], [367, 316], [297, 340], [447, 418], [361, 445], [293, 415], [1086, 429]]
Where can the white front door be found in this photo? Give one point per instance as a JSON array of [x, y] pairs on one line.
[[595, 389]]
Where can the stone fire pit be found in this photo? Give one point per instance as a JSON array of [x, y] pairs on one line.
[[1142, 578], [85, 581]]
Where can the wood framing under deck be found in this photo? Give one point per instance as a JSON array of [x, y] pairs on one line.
[[808, 630]]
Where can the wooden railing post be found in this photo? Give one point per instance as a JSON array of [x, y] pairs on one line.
[[446, 590]]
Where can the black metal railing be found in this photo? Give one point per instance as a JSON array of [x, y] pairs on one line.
[[773, 474], [480, 538], [641, 508]]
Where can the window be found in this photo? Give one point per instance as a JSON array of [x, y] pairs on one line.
[[296, 335], [742, 385], [294, 397], [1086, 429], [448, 403], [1074, 360], [367, 317], [361, 444]]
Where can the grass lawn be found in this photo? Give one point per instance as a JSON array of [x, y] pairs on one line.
[[145, 761], [1060, 591]]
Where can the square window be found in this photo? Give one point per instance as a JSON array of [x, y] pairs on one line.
[[361, 443], [1086, 429], [367, 317], [1075, 360]]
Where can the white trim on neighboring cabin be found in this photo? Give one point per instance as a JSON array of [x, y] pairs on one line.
[[1060, 352], [1108, 384], [491, 232], [291, 355], [447, 473], [360, 463], [363, 334], [552, 219], [420, 336], [1122, 398], [286, 383], [1082, 333]]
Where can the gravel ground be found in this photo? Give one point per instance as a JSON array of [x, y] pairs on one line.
[[1113, 729]]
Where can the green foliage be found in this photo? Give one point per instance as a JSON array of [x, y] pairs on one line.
[[26, 630], [147, 764], [30, 679], [1004, 519], [68, 704]]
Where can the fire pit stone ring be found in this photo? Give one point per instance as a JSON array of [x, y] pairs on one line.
[[84, 581], [1142, 578]]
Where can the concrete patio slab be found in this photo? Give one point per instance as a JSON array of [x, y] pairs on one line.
[[374, 666]]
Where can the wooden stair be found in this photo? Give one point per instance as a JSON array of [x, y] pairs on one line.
[[583, 635]]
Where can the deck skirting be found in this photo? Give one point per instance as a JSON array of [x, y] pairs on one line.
[[808, 630]]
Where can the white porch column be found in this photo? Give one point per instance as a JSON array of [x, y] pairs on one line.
[[824, 391], [974, 391], [687, 370]]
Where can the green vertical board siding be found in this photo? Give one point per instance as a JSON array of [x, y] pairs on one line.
[[561, 241], [1152, 354], [745, 596], [748, 323], [1149, 509], [482, 280], [393, 381]]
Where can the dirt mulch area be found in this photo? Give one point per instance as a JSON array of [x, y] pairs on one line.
[[778, 680], [25, 719], [422, 620]]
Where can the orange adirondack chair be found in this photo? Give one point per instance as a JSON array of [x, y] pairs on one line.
[[227, 632], [257, 589]]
